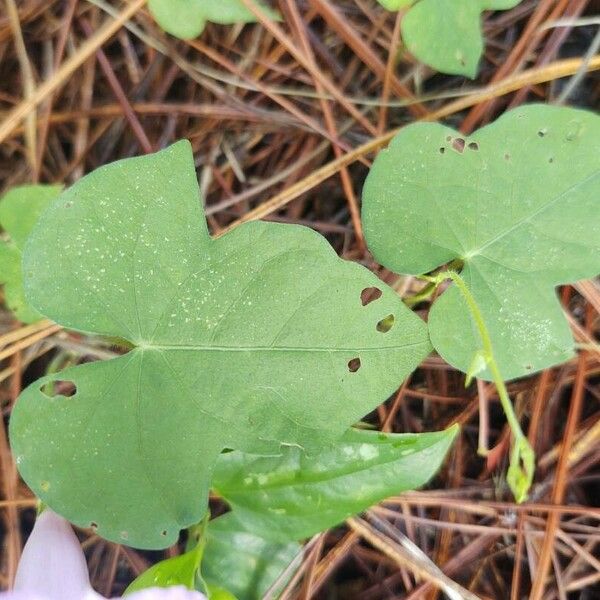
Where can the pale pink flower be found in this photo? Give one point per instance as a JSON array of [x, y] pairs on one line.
[[53, 567]]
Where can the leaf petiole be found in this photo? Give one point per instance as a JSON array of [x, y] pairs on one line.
[[522, 457]]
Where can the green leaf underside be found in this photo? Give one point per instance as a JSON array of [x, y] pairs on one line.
[[243, 342], [295, 496], [20, 209], [518, 204], [446, 34], [241, 562], [186, 19]]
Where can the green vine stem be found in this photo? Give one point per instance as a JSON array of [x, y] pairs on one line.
[[522, 457], [421, 296]]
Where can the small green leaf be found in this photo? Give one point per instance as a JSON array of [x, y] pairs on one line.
[[395, 4], [521, 469], [182, 570], [20, 209], [253, 340], [499, 4], [295, 496], [446, 34], [516, 203], [218, 593], [186, 18], [243, 563], [478, 365], [179, 570]]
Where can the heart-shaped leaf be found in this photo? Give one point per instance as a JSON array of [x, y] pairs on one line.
[[446, 34], [516, 204], [260, 338], [295, 496], [243, 563], [20, 209], [186, 19]]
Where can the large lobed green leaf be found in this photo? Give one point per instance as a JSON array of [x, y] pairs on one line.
[[20, 208], [517, 202], [446, 34], [250, 341], [186, 19], [295, 496]]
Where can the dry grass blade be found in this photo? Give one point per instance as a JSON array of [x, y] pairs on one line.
[[21, 111], [408, 555], [22, 332], [28, 82], [28, 341], [279, 34], [548, 73], [559, 489]]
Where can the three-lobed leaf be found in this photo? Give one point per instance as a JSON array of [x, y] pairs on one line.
[[295, 496], [250, 341], [446, 34], [20, 209], [186, 19], [516, 203]]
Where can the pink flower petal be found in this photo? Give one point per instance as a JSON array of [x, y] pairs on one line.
[[20, 596], [52, 565]]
